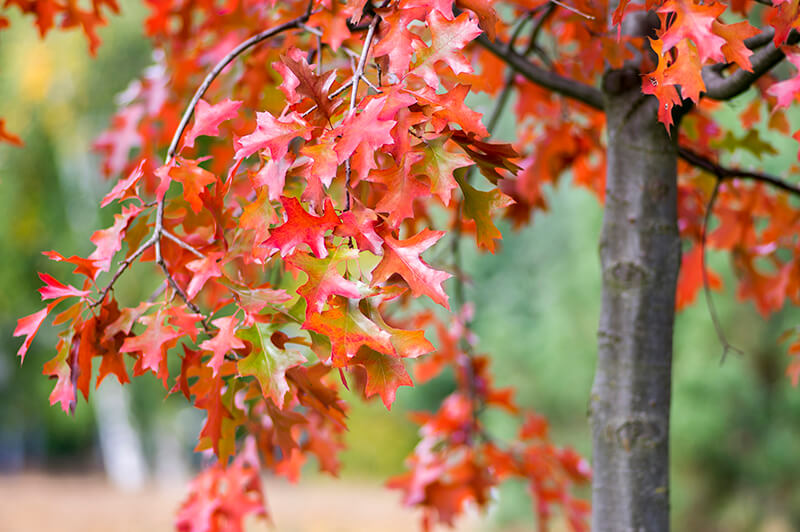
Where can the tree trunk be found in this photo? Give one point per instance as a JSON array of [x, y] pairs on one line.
[[640, 259]]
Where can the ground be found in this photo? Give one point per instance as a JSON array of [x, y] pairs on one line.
[[34, 502]]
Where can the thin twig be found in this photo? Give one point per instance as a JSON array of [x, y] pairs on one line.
[[724, 173], [220, 66], [122, 267], [366, 80], [357, 74], [330, 96], [712, 309], [184, 245], [573, 9], [158, 230]]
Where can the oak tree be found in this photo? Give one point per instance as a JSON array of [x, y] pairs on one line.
[[288, 163]]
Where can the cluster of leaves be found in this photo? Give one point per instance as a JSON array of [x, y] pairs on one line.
[[287, 252], [290, 242]]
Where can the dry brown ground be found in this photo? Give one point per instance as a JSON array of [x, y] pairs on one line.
[[70, 503]]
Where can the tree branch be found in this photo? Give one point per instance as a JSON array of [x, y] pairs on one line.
[[549, 80], [722, 172], [712, 309], [725, 88], [357, 75]]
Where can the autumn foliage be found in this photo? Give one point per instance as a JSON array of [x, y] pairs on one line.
[[330, 148]]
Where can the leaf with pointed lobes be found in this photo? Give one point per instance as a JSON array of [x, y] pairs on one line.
[[448, 38], [223, 498], [384, 374], [693, 21], [479, 206], [735, 34], [109, 241], [366, 130], [402, 189], [348, 329], [487, 16], [253, 300], [272, 134], [53, 289], [787, 91], [153, 343], [451, 107], [396, 41], [267, 362], [438, 164], [359, 223], [488, 156], [83, 266], [122, 190], [204, 269], [313, 392], [194, 179], [324, 278], [60, 367], [207, 119], [223, 342], [655, 83], [302, 228], [300, 81], [29, 326], [685, 72], [402, 257]]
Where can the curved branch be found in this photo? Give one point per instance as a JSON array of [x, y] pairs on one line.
[[723, 172], [721, 88], [220, 66], [712, 309], [549, 80]]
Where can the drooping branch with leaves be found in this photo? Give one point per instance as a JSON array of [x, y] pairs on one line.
[[285, 165]]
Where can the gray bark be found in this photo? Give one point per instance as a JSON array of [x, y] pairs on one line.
[[640, 259]]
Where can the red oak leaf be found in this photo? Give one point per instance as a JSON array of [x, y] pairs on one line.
[[324, 278], [385, 374], [204, 269], [402, 257], [438, 164], [153, 344], [735, 50], [109, 241], [448, 38], [359, 224], [272, 134], [693, 21], [396, 41], [348, 329], [223, 342], [300, 81], [207, 119], [302, 228], [194, 179], [53, 289], [365, 130], [655, 83], [267, 362], [29, 326], [787, 91], [121, 190], [83, 266]]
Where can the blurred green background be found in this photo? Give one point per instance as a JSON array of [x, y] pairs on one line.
[[735, 426]]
